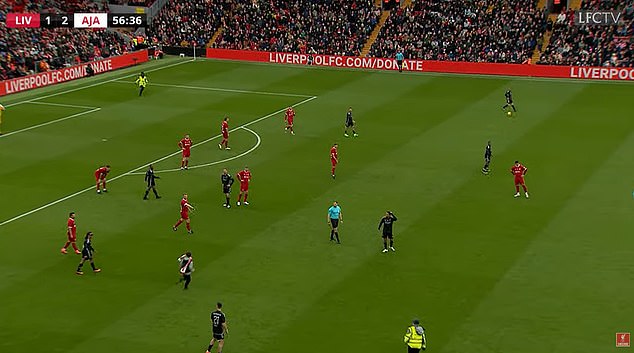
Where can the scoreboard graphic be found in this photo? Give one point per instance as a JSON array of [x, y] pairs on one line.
[[75, 20]]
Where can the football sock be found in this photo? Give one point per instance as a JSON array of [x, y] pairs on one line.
[[182, 164], [178, 223], [333, 170], [74, 246], [187, 163], [391, 243], [92, 264], [227, 200], [337, 236], [66, 245], [239, 197], [524, 187], [384, 244], [79, 267], [155, 193], [147, 192], [210, 347], [517, 188], [245, 197], [189, 227], [513, 106], [332, 235]]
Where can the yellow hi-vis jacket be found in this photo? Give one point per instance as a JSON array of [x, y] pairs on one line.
[[414, 337], [141, 81]]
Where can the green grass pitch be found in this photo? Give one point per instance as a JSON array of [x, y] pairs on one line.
[[483, 271]]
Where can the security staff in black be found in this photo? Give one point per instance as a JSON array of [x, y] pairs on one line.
[[186, 264], [87, 252], [509, 100], [150, 179], [218, 328], [487, 158], [415, 337], [386, 222], [226, 180]]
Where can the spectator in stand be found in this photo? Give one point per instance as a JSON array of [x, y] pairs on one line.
[[571, 44], [463, 30]]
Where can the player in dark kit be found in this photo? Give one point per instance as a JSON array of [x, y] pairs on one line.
[[87, 252], [186, 265], [509, 100], [350, 123], [226, 180], [487, 158], [386, 222], [150, 179], [218, 328]]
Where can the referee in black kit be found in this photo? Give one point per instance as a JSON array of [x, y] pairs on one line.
[[386, 222], [150, 179], [226, 180]]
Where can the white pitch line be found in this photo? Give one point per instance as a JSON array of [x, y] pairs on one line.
[[231, 90], [146, 165], [49, 122], [257, 144], [63, 105], [93, 85]]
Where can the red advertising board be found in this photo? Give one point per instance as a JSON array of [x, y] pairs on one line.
[[48, 78], [572, 72]]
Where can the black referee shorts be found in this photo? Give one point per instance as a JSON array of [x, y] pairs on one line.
[[334, 222]]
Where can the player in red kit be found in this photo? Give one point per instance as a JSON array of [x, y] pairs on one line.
[[288, 118], [245, 177], [518, 170], [71, 233], [225, 134], [100, 176], [185, 208], [334, 158], [186, 146]]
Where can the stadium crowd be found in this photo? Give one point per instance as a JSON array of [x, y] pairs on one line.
[[333, 27], [463, 30], [188, 22], [26, 51], [571, 44]]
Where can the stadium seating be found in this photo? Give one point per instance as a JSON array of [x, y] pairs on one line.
[[571, 44], [27, 51], [462, 30], [325, 27]]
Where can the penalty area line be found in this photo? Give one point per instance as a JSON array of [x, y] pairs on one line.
[[257, 144], [52, 203], [49, 122]]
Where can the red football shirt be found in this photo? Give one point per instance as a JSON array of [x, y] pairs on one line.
[[290, 114], [101, 172], [333, 154], [225, 127], [72, 227], [518, 170], [185, 144], [184, 208], [244, 176]]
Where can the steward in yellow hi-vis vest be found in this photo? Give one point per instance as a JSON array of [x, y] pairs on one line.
[[141, 81], [415, 337]]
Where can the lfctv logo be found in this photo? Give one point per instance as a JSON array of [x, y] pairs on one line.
[[623, 339], [597, 18]]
